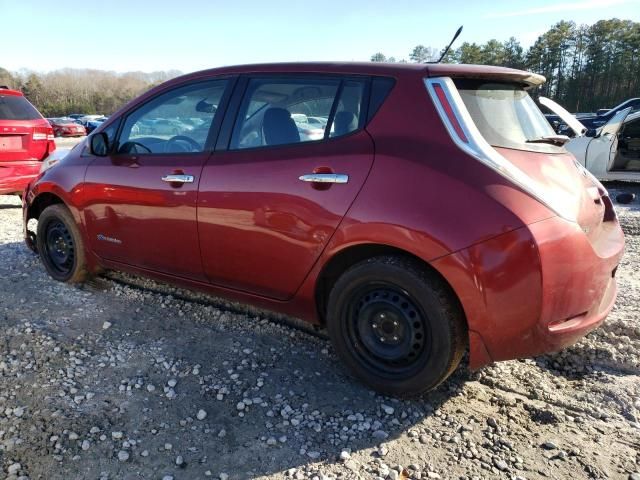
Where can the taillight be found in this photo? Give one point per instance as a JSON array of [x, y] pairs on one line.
[[45, 134], [444, 102], [40, 133]]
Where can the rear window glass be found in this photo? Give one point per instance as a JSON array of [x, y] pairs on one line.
[[17, 108], [506, 115]]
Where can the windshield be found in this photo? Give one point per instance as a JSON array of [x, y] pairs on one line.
[[506, 115]]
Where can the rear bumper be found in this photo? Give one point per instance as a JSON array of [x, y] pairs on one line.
[[534, 290], [15, 176]]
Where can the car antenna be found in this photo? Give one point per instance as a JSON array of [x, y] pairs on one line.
[[446, 50]]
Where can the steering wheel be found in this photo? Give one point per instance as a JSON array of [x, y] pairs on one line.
[[195, 146]]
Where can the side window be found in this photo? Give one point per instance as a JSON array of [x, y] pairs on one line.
[[348, 116], [110, 132], [295, 110], [175, 122]]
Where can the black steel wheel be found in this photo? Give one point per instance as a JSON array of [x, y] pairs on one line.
[[396, 324], [60, 245], [388, 330]]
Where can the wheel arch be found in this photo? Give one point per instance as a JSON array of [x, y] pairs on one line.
[[342, 260], [40, 202]]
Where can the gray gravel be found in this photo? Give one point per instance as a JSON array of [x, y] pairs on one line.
[[111, 382]]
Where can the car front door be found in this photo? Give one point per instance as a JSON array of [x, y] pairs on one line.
[[277, 187], [141, 199], [602, 149]]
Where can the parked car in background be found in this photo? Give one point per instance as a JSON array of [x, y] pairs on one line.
[[26, 139], [438, 211], [91, 125], [66, 127], [593, 121], [612, 152], [307, 130]]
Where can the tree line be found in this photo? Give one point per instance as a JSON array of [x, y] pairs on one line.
[[587, 66], [67, 91]]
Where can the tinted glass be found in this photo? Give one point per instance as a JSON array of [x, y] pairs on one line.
[[348, 117], [295, 110], [175, 122], [17, 108], [506, 115]]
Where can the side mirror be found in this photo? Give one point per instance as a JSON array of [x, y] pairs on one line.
[[592, 132], [99, 144]]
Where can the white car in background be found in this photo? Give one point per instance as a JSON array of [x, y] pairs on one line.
[[613, 152]]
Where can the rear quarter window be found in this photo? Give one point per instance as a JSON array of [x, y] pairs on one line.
[[14, 107]]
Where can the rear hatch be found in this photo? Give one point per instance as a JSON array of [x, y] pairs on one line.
[[24, 134], [504, 116]]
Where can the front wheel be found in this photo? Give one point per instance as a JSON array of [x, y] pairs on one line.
[[396, 325], [60, 245]]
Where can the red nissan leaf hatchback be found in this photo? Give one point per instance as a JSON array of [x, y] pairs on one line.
[[433, 213], [26, 139]]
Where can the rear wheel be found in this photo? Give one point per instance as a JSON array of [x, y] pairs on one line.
[[60, 245], [397, 326]]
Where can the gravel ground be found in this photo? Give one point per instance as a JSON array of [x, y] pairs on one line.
[[108, 381]]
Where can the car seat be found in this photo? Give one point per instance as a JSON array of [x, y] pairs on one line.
[[279, 128]]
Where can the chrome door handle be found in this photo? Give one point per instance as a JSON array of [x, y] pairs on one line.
[[175, 178], [324, 178]]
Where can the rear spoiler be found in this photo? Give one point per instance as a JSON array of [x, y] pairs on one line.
[[485, 72]]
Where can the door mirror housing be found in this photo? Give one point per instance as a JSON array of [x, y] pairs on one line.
[[99, 144]]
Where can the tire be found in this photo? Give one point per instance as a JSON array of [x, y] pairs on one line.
[[397, 326], [61, 246]]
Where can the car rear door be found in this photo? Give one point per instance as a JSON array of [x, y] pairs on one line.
[[141, 199], [272, 195]]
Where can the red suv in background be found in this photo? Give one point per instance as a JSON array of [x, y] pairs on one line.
[[26, 139], [434, 210]]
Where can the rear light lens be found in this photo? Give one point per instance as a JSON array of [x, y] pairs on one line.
[[40, 133], [467, 137], [448, 110]]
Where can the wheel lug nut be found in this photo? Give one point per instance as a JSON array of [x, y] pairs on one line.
[[395, 338], [395, 324]]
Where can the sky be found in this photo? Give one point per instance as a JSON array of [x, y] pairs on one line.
[[189, 35]]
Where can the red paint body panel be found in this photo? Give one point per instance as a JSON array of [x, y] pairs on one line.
[[23, 145], [255, 216], [528, 281], [15, 176], [149, 223]]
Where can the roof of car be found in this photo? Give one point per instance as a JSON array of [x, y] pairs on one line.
[[8, 91], [384, 69]]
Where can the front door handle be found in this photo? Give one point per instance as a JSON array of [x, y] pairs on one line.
[[324, 178], [178, 178]]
